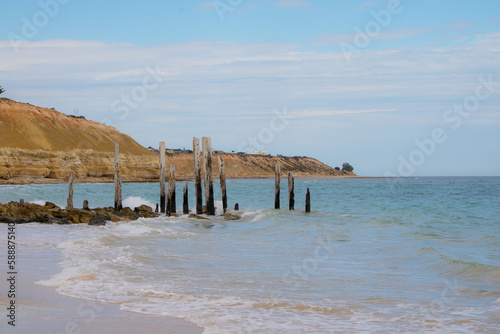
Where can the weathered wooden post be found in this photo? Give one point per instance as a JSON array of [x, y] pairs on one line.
[[209, 186], [222, 175], [70, 191], [291, 199], [86, 205], [118, 179], [197, 176], [185, 203], [277, 174], [162, 177], [236, 207], [308, 201], [171, 190]]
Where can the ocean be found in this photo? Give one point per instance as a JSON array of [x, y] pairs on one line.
[[374, 255]]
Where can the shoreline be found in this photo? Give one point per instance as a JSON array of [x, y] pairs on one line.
[[41, 309], [35, 180]]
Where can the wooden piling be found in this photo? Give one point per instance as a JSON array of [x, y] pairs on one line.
[[308, 201], [197, 176], [236, 207], [86, 205], [277, 174], [291, 199], [118, 179], [222, 176], [21, 201], [171, 190], [70, 191], [209, 186], [162, 177], [185, 203]]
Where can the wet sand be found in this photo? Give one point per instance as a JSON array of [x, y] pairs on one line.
[[41, 310]]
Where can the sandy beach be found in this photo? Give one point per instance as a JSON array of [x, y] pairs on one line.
[[41, 309]]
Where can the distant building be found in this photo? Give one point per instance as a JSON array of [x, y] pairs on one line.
[[259, 153], [154, 150]]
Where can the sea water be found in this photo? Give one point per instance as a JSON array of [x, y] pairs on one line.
[[373, 256]]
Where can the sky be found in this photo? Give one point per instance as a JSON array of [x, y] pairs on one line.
[[395, 88]]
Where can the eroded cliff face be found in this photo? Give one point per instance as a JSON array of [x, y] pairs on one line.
[[42, 145], [21, 166]]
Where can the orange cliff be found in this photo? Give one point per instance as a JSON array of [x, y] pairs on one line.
[[40, 145]]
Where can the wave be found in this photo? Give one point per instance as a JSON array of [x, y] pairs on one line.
[[136, 201]]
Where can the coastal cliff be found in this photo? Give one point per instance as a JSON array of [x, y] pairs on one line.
[[40, 145]]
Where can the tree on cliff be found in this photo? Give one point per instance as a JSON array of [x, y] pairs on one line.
[[347, 167], [1, 90]]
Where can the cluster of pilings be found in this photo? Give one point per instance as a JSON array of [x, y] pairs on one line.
[[167, 197], [291, 191], [167, 200]]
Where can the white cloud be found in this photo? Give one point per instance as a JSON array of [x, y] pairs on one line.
[[223, 85], [320, 113]]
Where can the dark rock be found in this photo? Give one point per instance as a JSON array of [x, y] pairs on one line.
[[97, 220], [14, 220]]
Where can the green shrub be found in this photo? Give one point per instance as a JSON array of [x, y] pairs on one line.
[[347, 167]]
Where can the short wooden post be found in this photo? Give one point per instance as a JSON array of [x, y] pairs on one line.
[[171, 190], [21, 201], [236, 207], [156, 210], [209, 186], [86, 205], [308, 201], [197, 176], [162, 177], [70, 191], [291, 199], [222, 175], [185, 203], [118, 179], [277, 174]]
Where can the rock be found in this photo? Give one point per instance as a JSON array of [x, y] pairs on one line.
[[192, 215], [49, 205], [14, 220], [98, 220], [228, 216]]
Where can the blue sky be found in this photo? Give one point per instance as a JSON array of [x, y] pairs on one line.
[[397, 88]]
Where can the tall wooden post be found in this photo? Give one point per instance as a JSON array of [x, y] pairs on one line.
[[308, 201], [277, 175], [291, 199], [162, 177], [185, 203], [118, 179], [70, 191], [197, 176], [222, 176], [171, 190], [209, 186]]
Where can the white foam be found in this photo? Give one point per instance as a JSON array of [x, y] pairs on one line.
[[39, 202], [136, 201]]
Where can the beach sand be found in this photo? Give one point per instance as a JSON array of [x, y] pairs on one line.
[[41, 310]]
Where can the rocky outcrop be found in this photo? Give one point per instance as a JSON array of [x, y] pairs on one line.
[[19, 213]]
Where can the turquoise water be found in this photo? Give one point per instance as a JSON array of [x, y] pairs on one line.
[[374, 256]]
